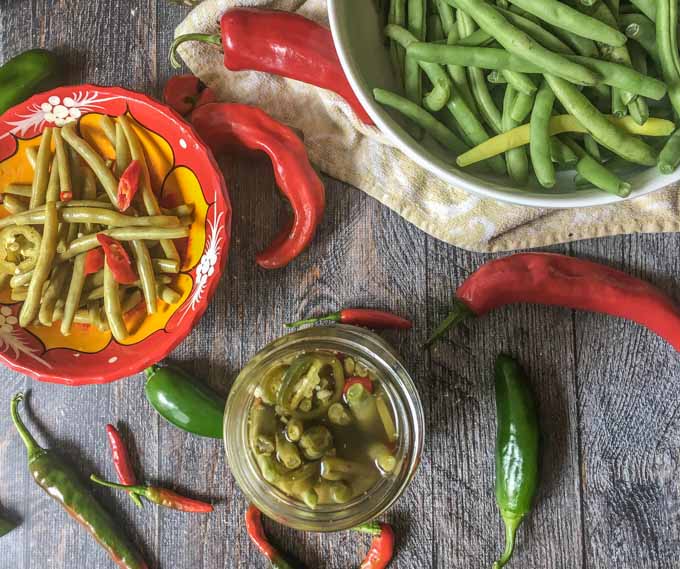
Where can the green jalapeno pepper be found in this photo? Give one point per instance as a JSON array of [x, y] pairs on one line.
[[26, 74], [6, 526], [517, 449], [19, 247], [185, 402]]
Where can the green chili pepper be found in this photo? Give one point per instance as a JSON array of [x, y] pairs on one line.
[[26, 74], [6, 526], [64, 485], [517, 441], [185, 402]]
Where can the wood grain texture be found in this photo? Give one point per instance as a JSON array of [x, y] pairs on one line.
[[607, 389]]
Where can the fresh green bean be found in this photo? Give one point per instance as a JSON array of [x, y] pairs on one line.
[[435, 32], [578, 44], [521, 44], [539, 145], [605, 132], [14, 204], [643, 31], [477, 38], [457, 72], [108, 128], [42, 166], [53, 293], [520, 82], [92, 159], [561, 154], [516, 159], [647, 7], [597, 174], [446, 16], [112, 306], [480, 91], [564, 16], [496, 77], [546, 38], [669, 157], [441, 91], [416, 18], [618, 106], [591, 147], [64, 165], [522, 107], [421, 118], [75, 290], [23, 190], [43, 266], [671, 73], [638, 109]]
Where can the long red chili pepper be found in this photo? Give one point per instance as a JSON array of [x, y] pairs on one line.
[[222, 125], [121, 461], [184, 93], [258, 537], [128, 185], [548, 278], [382, 548], [359, 317], [161, 496], [281, 43]]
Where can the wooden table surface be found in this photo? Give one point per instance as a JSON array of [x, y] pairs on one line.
[[608, 389]]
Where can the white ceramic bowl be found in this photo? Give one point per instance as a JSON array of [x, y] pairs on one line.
[[357, 32]]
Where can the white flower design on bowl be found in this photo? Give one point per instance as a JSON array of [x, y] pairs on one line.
[[60, 112], [7, 320]]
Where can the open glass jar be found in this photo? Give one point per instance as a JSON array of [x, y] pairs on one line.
[[375, 355]]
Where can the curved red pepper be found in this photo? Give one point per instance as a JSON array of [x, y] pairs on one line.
[[377, 319], [121, 459], [366, 382], [222, 125], [281, 43], [552, 279], [258, 537], [184, 93], [381, 551]]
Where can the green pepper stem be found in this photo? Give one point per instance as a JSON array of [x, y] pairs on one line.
[[32, 446], [214, 39], [150, 371], [372, 528], [333, 317], [511, 522], [458, 313], [137, 490]]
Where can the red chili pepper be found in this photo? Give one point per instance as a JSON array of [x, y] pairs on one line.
[[161, 496], [66, 196], [382, 548], [366, 382], [128, 185], [94, 261], [552, 279], [226, 124], [281, 43], [258, 537], [117, 259], [359, 317], [184, 93], [121, 460]]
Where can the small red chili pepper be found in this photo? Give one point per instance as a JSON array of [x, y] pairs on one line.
[[382, 548], [121, 461], [223, 125], [66, 196], [558, 280], [128, 185], [94, 261], [184, 93], [258, 537], [117, 259], [366, 382], [281, 43], [359, 317], [161, 496]]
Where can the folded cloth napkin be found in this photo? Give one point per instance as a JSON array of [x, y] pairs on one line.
[[360, 155]]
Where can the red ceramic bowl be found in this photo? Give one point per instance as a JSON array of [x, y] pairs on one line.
[[182, 170]]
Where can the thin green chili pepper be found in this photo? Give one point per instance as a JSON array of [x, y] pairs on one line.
[[26, 74], [6, 526], [517, 449], [63, 484]]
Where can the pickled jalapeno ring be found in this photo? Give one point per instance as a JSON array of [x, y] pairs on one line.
[[19, 246]]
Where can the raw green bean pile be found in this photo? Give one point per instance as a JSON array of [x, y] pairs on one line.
[[484, 78], [53, 223], [322, 429]]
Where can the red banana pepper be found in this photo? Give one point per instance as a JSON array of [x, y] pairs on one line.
[[366, 382], [258, 537], [378, 319], [121, 461], [94, 261], [222, 125], [117, 259], [382, 548], [184, 93], [128, 185], [161, 496], [552, 279], [280, 43]]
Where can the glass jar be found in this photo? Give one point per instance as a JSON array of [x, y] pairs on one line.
[[361, 345]]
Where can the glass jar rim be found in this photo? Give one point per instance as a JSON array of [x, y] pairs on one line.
[[409, 416]]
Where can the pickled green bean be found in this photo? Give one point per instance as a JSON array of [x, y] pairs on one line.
[[165, 265], [108, 128], [294, 429], [315, 442], [14, 204], [42, 166], [338, 415], [362, 405], [53, 293], [64, 165], [167, 294], [22, 190], [112, 306], [145, 271], [123, 158], [75, 290], [287, 453], [382, 456]]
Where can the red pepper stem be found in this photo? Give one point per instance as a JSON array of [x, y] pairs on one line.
[[214, 39], [458, 313], [138, 490], [334, 317], [32, 446]]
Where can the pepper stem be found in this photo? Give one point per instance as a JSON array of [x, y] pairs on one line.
[[214, 39], [150, 371], [372, 528], [511, 522], [458, 313], [141, 490], [333, 317], [32, 446]]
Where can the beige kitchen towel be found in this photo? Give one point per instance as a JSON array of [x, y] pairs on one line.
[[348, 150]]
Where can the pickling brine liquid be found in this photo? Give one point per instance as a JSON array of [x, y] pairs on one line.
[[322, 428]]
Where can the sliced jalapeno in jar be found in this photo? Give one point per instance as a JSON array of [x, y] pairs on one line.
[[19, 246]]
